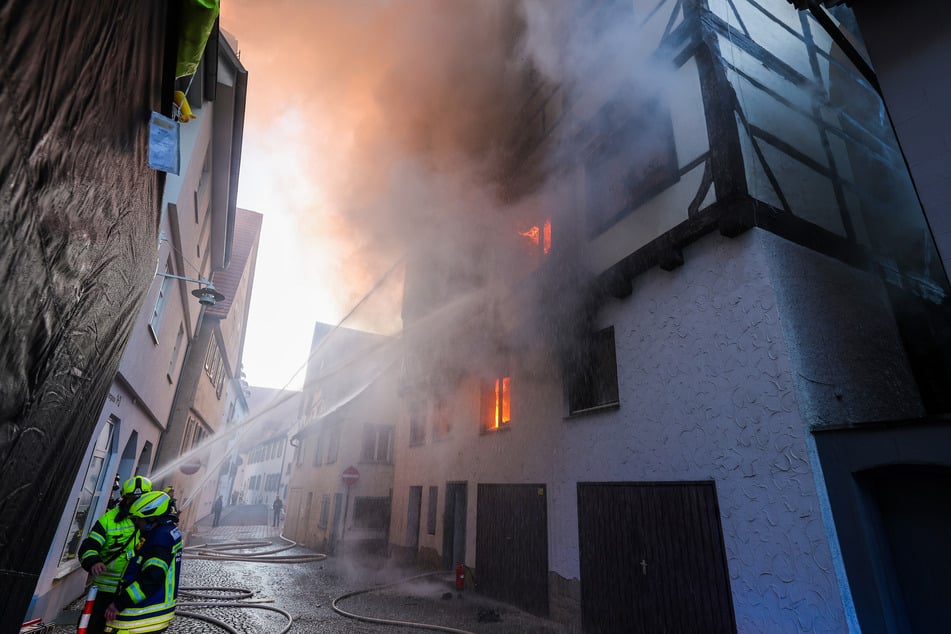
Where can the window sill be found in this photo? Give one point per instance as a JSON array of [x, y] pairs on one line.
[[152, 333], [418, 443], [67, 569], [495, 430], [597, 409]]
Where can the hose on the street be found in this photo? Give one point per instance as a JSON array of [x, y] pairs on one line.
[[222, 552], [220, 597], [382, 621], [236, 604], [207, 619], [196, 592]]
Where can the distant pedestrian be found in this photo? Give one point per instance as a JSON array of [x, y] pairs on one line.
[[278, 507], [216, 509]]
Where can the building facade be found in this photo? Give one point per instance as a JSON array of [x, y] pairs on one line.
[[264, 455], [194, 234], [341, 474], [199, 445], [724, 287]]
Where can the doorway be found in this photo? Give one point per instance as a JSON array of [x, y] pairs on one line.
[[454, 525], [414, 507], [512, 544]]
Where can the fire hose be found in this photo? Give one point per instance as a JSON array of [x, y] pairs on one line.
[[381, 621], [212, 596], [221, 552]]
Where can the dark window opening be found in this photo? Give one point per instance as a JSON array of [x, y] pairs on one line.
[[635, 160], [372, 513], [591, 375]]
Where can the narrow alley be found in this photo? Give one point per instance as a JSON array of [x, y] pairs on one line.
[[306, 591]]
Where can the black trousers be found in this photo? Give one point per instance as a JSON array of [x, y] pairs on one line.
[[97, 620]]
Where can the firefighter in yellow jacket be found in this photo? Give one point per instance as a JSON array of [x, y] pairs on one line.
[[148, 593], [104, 552]]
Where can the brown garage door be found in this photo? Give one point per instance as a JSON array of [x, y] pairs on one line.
[[652, 558], [512, 544]]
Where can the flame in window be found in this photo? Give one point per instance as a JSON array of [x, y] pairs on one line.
[[503, 407], [539, 235]]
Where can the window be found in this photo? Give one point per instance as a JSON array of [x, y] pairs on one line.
[[496, 403], [377, 443], [372, 513], [195, 432], [618, 178], [440, 416], [324, 512], [164, 290], [319, 453], [537, 240], [175, 351], [91, 492], [431, 510], [417, 425], [215, 366], [591, 376], [333, 445]]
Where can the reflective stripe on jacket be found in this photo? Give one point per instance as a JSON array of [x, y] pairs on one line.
[[149, 591], [108, 542]]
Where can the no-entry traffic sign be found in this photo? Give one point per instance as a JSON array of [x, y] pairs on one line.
[[350, 475]]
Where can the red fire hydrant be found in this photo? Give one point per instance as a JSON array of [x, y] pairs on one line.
[[460, 576]]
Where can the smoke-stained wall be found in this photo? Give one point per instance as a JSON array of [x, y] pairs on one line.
[[79, 209]]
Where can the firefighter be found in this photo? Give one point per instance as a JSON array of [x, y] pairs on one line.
[[104, 552], [146, 598]]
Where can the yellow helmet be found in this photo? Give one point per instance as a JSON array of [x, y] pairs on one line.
[[149, 505], [136, 485]]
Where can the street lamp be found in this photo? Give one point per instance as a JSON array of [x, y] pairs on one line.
[[206, 292]]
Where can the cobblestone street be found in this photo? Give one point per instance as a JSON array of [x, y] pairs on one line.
[[306, 591]]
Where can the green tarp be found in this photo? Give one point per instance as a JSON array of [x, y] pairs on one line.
[[198, 19]]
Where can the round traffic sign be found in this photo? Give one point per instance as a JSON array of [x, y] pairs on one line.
[[350, 475]]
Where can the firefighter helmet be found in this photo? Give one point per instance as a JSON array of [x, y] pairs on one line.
[[151, 504], [136, 485]]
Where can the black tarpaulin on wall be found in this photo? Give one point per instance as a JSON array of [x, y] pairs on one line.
[[78, 220]]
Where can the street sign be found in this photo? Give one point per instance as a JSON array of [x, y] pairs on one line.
[[350, 475]]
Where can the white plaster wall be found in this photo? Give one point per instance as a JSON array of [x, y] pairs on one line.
[[706, 393]]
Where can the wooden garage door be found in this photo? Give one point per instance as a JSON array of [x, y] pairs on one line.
[[512, 544], [652, 559]]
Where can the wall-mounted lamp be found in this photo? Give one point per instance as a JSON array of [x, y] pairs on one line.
[[206, 293]]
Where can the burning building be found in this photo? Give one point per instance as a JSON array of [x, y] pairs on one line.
[[707, 322]]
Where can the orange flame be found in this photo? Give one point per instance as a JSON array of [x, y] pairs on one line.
[[502, 401], [539, 236]]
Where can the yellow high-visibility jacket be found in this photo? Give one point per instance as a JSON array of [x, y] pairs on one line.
[[108, 542]]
